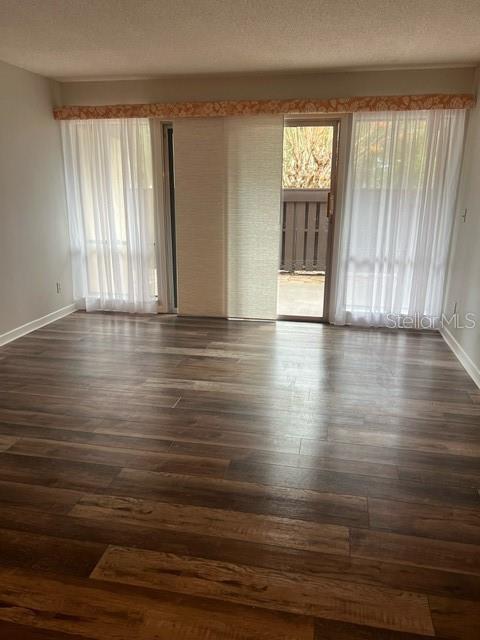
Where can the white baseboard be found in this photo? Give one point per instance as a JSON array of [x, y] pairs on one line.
[[36, 324], [462, 356]]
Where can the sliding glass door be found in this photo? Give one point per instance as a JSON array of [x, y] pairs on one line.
[[309, 181]]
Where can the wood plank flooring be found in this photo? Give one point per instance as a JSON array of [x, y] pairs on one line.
[[197, 479]]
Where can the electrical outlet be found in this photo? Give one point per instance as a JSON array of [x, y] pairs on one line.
[[59, 287]]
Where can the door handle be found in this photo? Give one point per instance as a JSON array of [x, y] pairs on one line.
[[329, 205]]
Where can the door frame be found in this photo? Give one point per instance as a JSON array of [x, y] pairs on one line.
[[169, 180], [337, 123], [162, 185]]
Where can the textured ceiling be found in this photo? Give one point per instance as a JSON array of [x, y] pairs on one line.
[[87, 39]]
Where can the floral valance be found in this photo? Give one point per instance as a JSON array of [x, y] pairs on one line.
[[256, 107]]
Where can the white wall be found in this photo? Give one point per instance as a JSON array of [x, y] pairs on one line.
[[271, 86], [463, 284], [34, 245]]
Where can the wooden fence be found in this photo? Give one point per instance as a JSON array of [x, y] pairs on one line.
[[304, 230]]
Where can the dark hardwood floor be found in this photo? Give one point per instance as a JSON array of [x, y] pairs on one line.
[[194, 479]]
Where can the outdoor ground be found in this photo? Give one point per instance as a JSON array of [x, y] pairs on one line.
[[300, 294]]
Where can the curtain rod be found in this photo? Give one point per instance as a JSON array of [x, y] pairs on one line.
[[258, 107]]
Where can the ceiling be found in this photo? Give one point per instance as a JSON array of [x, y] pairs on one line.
[[88, 39]]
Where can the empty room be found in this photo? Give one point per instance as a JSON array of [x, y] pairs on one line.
[[239, 319]]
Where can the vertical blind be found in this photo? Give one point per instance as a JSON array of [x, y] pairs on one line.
[[228, 193], [253, 207], [199, 216], [110, 200], [397, 220]]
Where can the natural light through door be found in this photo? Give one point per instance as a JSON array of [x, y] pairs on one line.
[[307, 205]]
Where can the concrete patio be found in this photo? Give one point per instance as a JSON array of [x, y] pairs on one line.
[[300, 294]]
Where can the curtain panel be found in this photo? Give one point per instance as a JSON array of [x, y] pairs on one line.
[[397, 220], [228, 178], [110, 200]]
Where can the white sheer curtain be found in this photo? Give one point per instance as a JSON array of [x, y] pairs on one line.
[[399, 207], [110, 199]]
